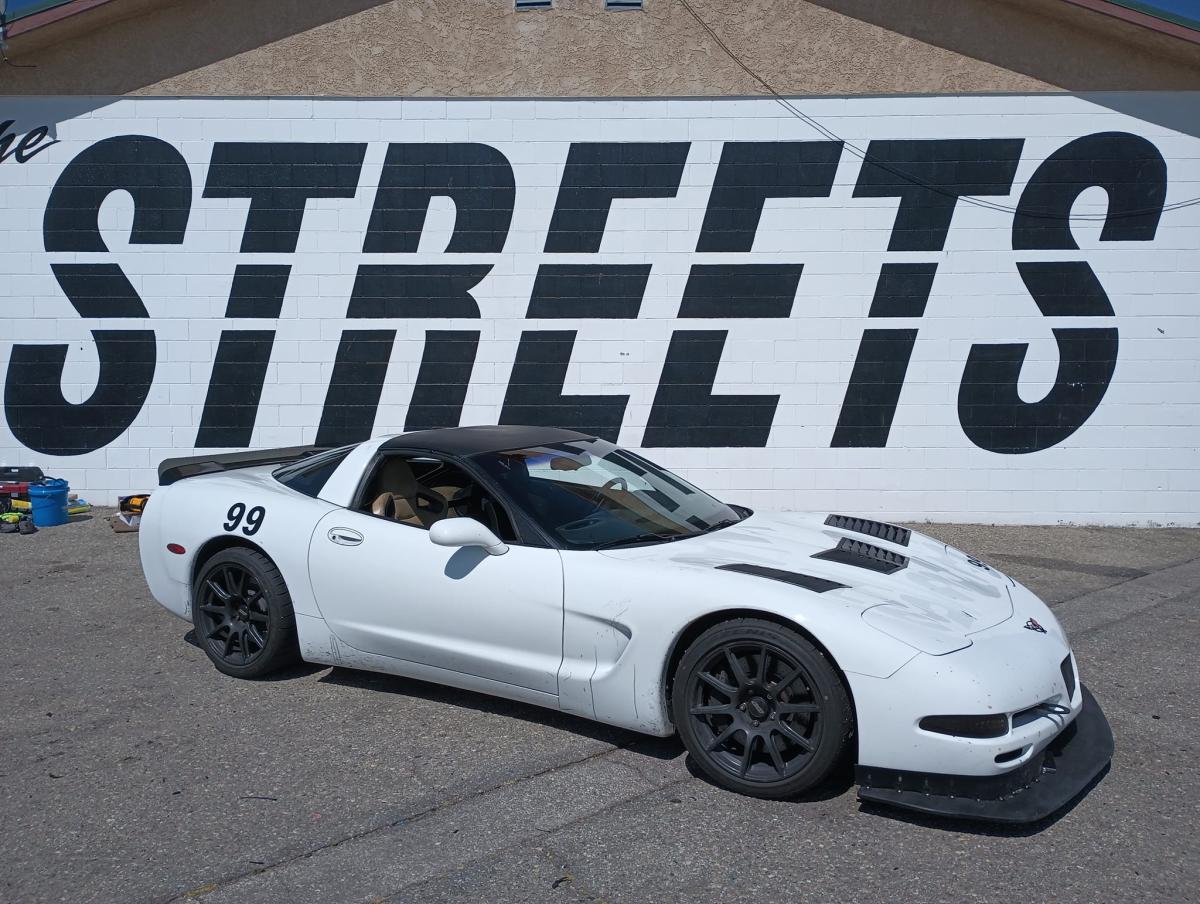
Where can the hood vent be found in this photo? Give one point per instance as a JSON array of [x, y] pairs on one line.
[[864, 555], [807, 581], [889, 532]]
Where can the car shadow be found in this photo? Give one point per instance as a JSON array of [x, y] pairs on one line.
[[290, 673], [463, 562], [659, 748], [983, 829], [839, 781]]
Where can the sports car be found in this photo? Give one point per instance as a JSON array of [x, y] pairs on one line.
[[556, 568]]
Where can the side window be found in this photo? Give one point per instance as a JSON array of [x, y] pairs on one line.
[[309, 475], [420, 490]]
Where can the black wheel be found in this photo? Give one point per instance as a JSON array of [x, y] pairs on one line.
[[243, 614], [760, 709]]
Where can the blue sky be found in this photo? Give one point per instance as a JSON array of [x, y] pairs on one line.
[[21, 7], [1187, 8]]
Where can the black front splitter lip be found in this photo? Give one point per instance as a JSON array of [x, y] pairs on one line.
[[1030, 793]]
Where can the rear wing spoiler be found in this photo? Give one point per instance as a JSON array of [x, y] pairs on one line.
[[173, 469]]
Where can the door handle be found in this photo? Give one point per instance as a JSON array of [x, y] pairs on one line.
[[344, 536]]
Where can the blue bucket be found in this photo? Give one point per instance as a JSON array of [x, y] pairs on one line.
[[48, 502]]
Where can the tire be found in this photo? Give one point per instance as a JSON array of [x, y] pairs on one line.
[[243, 615], [775, 729]]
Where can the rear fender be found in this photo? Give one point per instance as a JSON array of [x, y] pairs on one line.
[[206, 513]]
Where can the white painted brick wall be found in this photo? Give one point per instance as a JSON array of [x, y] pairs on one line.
[[1134, 461]]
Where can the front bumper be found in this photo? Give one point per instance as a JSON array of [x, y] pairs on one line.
[[1038, 788]]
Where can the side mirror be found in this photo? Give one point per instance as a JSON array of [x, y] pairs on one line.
[[466, 532]]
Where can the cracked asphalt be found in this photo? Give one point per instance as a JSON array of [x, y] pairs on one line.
[[131, 771]]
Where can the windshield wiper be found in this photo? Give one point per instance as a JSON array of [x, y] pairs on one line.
[[726, 522], [666, 538], [640, 538]]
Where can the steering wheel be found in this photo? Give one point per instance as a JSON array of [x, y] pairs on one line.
[[614, 483]]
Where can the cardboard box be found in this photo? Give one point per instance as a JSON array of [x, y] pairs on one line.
[[124, 522]]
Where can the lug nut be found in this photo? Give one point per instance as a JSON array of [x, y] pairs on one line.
[[755, 723], [742, 707]]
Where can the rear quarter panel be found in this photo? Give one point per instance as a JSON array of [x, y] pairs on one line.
[[200, 513]]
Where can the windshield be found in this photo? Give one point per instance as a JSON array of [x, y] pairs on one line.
[[590, 494]]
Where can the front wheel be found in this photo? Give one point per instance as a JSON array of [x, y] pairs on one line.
[[242, 613], [761, 710]]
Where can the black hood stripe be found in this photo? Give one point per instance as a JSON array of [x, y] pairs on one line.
[[807, 581]]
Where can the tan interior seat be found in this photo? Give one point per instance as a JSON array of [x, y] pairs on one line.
[[395, 507], [395, 475], [398, 495], [447, 493]]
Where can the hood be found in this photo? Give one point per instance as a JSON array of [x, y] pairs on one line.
[[922, 592]]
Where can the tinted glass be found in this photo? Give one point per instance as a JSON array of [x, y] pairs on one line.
[[309, 475], [590, 493]]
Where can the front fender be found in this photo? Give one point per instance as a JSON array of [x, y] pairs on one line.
[[623, 618]]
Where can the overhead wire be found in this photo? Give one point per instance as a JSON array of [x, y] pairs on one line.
[[854, 149]]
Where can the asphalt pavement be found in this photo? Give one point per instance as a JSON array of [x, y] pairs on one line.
[[132, 771]]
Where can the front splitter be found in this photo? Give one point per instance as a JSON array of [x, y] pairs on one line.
[[1032, 792]]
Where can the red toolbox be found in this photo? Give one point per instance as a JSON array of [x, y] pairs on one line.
[[15, 480]]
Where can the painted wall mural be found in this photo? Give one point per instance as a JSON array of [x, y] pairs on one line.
[[945, 307]]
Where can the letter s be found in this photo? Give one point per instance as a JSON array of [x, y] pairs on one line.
[[1133, 173], [157, 178]]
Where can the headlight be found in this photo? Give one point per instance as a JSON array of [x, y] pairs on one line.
[[1068, 673], [967, 726]]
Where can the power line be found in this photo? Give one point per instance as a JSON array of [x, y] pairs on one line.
[[906, 177]]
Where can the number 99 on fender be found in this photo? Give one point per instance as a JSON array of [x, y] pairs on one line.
[[253, 518]]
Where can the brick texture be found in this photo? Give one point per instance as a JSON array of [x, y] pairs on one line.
[[992, 317]]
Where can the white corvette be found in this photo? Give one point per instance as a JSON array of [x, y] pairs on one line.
[[555, 568]]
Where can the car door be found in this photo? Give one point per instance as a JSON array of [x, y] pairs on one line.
[[383, 587]]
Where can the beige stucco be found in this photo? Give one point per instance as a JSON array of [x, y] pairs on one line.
[[484, 47]]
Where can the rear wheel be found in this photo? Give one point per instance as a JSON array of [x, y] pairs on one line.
[[761, 710], [242, 613]]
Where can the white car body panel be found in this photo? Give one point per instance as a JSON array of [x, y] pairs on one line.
[[193, 512], [397, 594], [594, 632]]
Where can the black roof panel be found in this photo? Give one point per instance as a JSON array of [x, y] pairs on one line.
[[474, 440]]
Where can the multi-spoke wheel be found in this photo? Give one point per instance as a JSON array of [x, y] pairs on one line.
[[760, 708], [243, 614]]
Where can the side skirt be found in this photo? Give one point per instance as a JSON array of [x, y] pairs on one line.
[[319, 645]]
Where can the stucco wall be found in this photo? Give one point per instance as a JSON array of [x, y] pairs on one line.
[[710, 280], [484, 48]]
